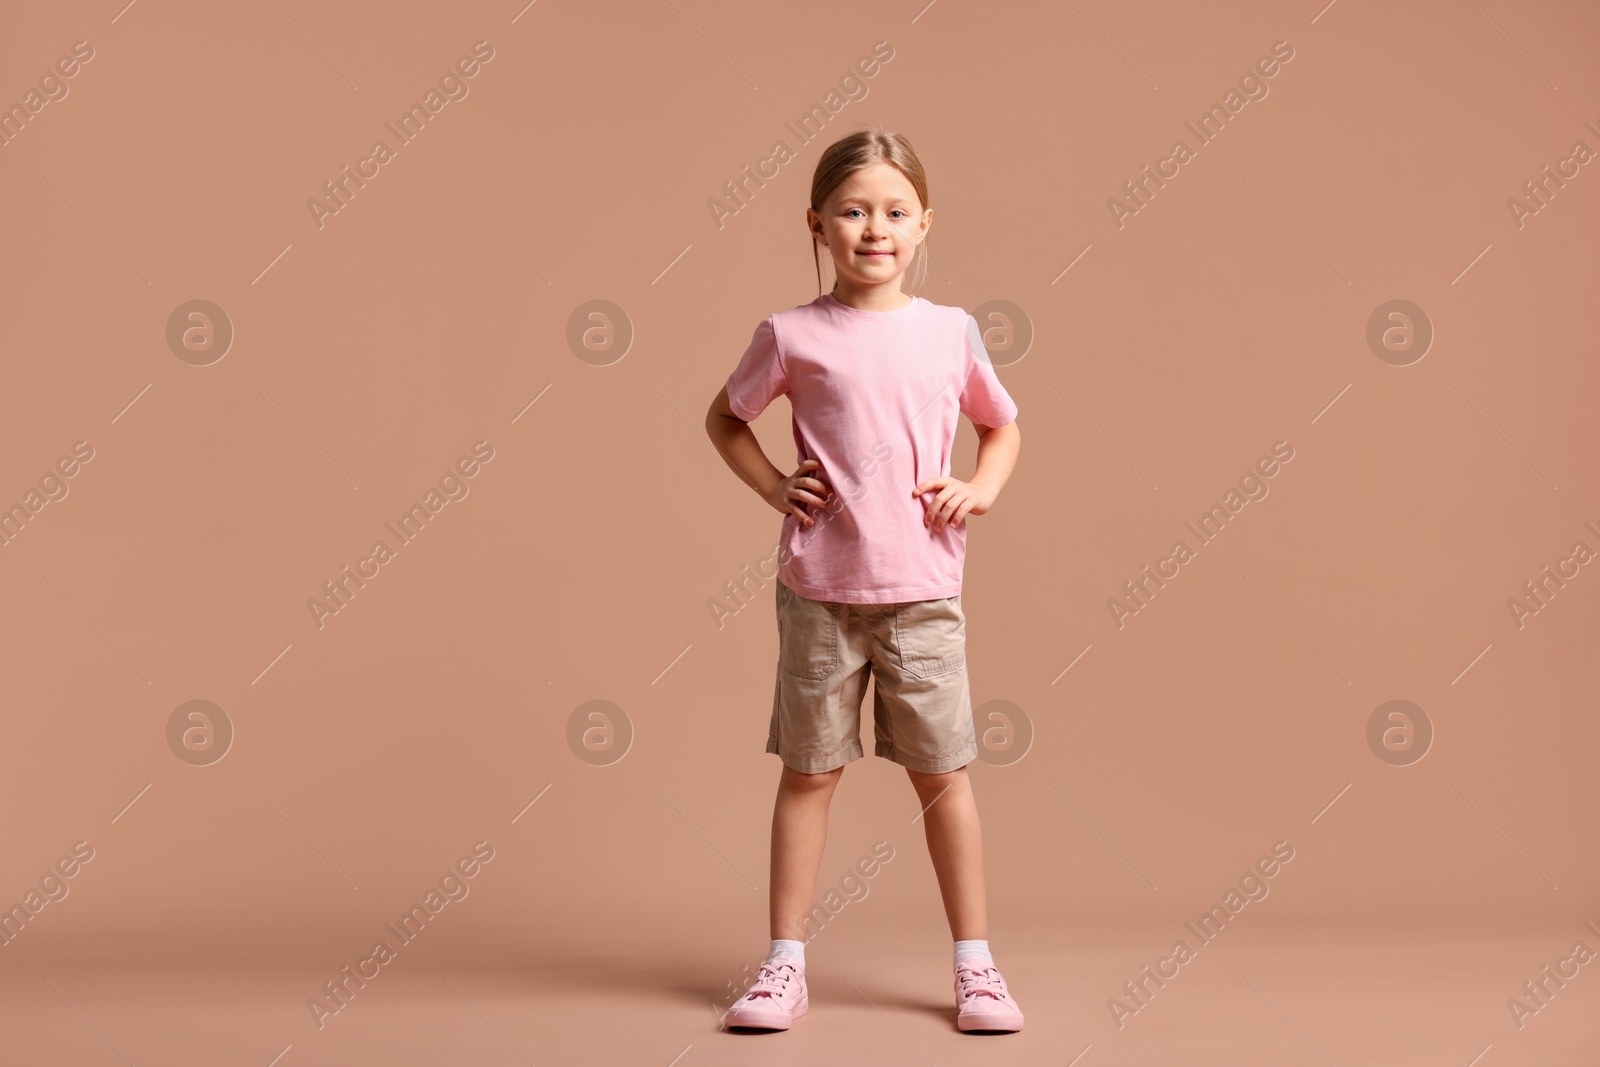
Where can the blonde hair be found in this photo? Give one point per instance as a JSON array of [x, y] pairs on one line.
[[862, 149]]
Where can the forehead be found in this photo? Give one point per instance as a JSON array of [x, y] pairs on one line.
[[879, 183]]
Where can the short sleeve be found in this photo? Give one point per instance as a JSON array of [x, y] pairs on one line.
[[759, 378], [983, 399]]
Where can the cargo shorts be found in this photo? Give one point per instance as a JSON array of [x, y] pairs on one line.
[[915, 653]]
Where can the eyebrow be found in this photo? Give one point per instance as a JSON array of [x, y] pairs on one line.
[[896, 202]]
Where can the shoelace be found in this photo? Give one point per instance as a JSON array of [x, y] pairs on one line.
[[772, 979], [981, 980]]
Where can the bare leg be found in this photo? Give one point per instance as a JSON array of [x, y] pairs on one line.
[[799, 830], [955, 844]]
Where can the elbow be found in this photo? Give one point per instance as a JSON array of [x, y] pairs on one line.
[[717, 423]]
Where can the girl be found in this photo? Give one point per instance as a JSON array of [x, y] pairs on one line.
[[870, 581]]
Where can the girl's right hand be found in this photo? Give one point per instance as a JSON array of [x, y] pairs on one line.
[[792, 493]]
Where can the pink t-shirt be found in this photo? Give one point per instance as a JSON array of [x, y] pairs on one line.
[[876, 397]]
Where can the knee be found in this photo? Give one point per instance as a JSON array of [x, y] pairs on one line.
[[801, 782], [932, 784]]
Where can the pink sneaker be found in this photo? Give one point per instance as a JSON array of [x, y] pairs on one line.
[[774, 1000], [982, 1000]]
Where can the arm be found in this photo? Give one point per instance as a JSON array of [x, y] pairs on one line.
[[737, 444], [997, 456]]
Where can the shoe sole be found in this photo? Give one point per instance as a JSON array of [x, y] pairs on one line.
[[774, 1020], [983, 1021]]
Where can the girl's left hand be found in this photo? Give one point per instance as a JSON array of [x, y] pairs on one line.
[[955, 501]]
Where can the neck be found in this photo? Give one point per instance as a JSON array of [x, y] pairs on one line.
[[887, 297]]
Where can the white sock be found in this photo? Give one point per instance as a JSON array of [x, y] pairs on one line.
[[795, 950], [968, 949]]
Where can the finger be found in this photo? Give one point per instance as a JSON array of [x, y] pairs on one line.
[[931, 483], [948, 508], [962, 512], [809, 498], [813, 483], [799, 513], [938, 503]]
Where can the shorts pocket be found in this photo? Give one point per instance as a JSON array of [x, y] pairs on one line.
[[932, 635], [808, 635]]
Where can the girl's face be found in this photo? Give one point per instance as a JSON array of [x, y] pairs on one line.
[[871, 224]]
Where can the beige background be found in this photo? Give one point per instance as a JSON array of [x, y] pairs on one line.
[[433, 309]]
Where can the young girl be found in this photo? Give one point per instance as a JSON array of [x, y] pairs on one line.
[[870, 581]]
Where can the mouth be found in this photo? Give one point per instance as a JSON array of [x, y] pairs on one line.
[[886, 255]]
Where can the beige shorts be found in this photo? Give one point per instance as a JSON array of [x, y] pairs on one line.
[[916, 654]]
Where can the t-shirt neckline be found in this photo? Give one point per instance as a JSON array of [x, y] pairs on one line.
[[863, 313]]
